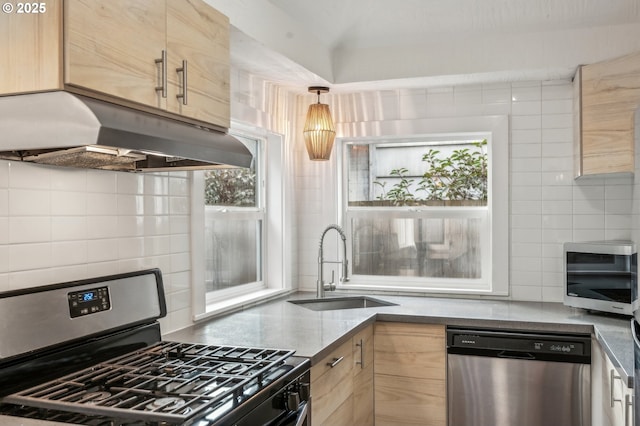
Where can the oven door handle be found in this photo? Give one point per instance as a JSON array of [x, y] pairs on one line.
[[636, 341], [296, 418]]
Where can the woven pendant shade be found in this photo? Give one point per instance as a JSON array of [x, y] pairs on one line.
[[319, 132]]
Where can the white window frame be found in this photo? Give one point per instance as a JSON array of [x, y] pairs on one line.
[[276, 276], [495, 280]]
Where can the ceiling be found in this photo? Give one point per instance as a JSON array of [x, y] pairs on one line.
[[353, 44]]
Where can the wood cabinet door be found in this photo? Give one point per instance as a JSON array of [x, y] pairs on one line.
[[111, 47], [198, 35], [31, 49], [363, 377], [410, 374], [332, 388]]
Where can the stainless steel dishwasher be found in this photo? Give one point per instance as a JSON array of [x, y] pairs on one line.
[[509, 378]]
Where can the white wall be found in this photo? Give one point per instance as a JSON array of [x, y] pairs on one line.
[[60, 224], [547, 206]]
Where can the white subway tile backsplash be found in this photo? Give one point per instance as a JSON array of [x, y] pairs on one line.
[[526, 136], [102, 204], [66, 228], [29, 176], [557, 135], [65, 203], [130, 204], [25, 257], [525, 122], [555, 193], [4, 202], [557, 121], [562, 106], [4, 230], [526, 108], [556, 235], [102, 227], [563, 90], [29, 202], [29, 229], [68, 179], [557, 164], [526, 150], [557, 149], [128, 226], [4, 261], [130, 183], [101, 182], [588, 221], [526, 207], [618, 207], [552, 294], [69, 253], [102, 250], [526, 93], [588, 207], [4, 174], [550, 207]]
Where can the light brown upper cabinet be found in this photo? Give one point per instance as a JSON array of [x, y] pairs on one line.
[[606, 97], [170, 58]]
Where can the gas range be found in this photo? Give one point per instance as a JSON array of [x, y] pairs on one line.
[[128, 376]]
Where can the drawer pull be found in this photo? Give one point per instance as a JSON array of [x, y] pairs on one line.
[[183, 70], [163, 74], [335, 362]]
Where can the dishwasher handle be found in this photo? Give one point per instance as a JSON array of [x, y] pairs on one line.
[[516, 355]]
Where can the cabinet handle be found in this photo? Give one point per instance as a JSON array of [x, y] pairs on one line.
[[361, 362], [613, 377], [163, 74], [628, 403], [183, 70], [335, 362]]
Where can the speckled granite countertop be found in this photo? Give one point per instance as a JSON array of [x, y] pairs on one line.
[[313, 334]]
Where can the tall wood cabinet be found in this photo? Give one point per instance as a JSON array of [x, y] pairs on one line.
[[410, 374], [168, 57], [342, 384]]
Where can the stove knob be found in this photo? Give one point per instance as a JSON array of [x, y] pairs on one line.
[[305, 391], [293, 401]]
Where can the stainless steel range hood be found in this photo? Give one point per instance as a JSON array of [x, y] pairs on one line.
[[64, 129]]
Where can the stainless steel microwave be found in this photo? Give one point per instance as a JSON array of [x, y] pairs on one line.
[[601, 276]]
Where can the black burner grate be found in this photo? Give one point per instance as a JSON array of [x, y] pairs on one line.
[[168, 382]]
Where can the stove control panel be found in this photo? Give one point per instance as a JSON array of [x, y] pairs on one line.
[[87, 302]]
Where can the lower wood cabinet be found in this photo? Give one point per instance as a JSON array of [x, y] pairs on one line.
[[410, 374], [611, 398], [342, 384]]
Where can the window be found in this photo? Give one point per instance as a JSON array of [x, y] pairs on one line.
[[428, 213], [233, 226], [240, 222]]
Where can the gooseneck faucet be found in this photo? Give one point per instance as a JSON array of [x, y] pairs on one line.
[[322, 287]]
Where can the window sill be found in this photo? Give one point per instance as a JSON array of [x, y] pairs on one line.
[[240, 303]]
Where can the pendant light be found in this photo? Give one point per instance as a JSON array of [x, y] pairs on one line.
[[319, 132]]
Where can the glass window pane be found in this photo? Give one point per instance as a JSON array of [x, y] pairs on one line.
[[416, 172], [232, 249], [230, 187], [233, 186], [429, 247]]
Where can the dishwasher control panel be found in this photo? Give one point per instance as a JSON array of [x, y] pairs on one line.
[[517, 344]]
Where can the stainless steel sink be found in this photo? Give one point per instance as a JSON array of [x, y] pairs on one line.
[[334, 303]]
